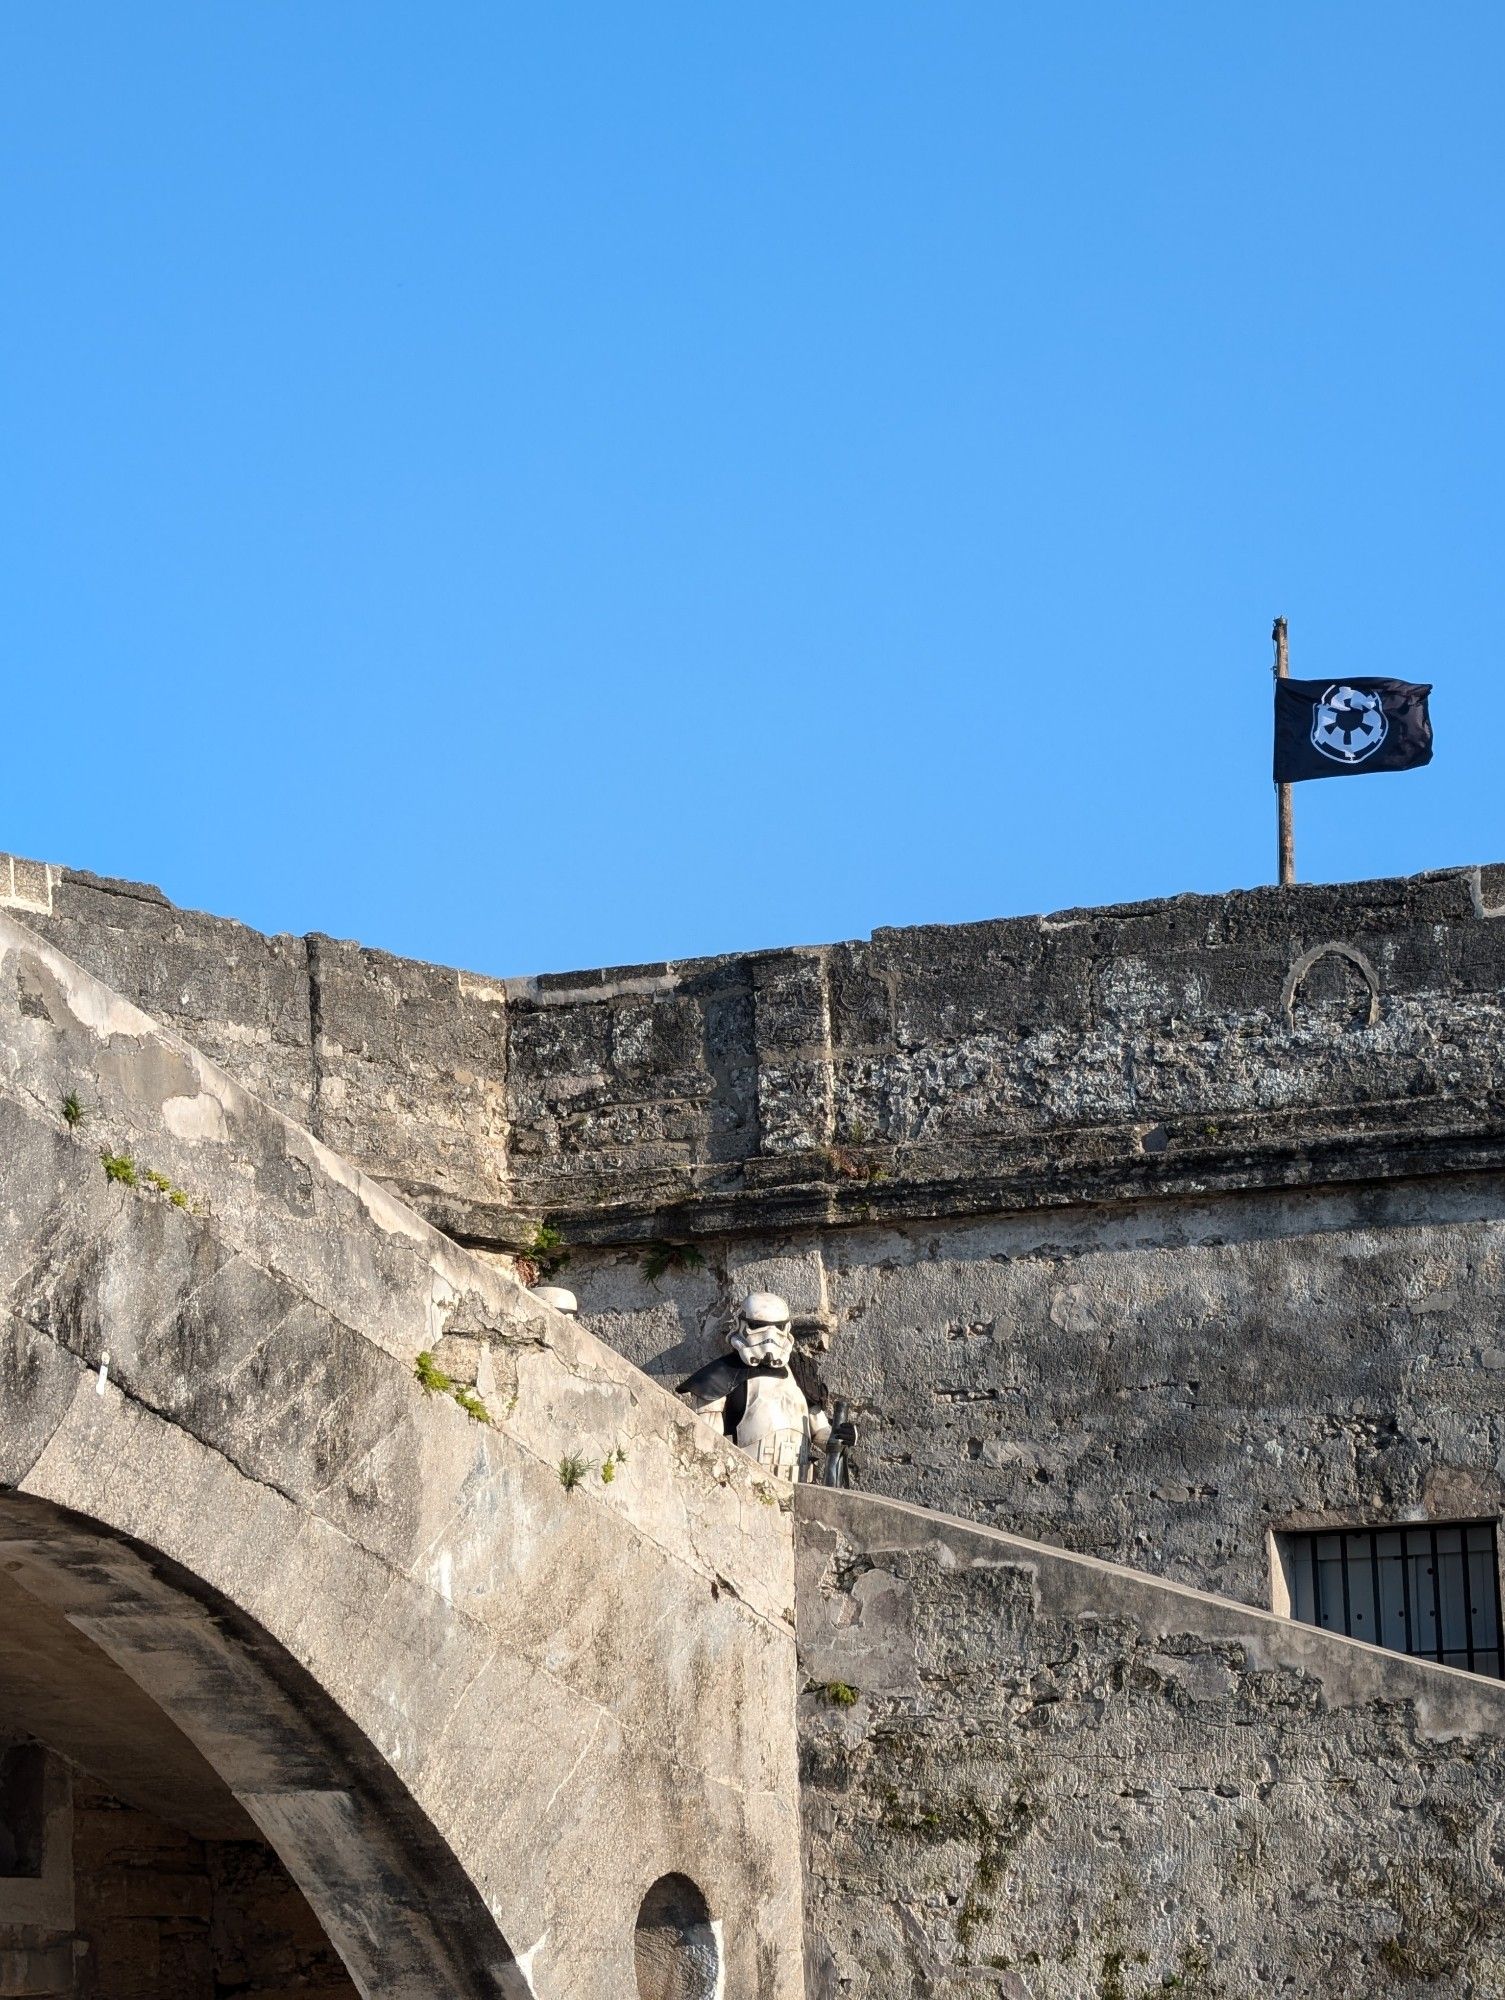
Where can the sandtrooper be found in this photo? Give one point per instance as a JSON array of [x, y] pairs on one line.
[[758, 1401]]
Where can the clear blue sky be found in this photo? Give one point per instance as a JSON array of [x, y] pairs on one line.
[[541, 486]]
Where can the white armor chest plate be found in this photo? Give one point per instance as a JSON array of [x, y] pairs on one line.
[[775, 1427]]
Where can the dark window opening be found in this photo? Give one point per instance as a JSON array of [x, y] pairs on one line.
[[1432, 1591], [23, 1772]]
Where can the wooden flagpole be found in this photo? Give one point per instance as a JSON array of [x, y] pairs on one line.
[[1283, 792]]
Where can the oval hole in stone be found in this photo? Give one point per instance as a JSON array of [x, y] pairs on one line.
[[677, 1953]]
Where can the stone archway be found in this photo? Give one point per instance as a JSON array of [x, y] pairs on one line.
[[179, 1704], [296, 1464]]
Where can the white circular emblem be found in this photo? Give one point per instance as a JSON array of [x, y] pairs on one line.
[[1348, 726]]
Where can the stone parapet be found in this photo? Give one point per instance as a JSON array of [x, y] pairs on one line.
[[1266, 1038]]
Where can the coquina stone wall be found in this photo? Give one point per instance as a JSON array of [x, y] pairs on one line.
[[1265, 1038], [1031, 1777], [1147, 1231], [159, 1915], [1163, 1384], [1150, 1233]]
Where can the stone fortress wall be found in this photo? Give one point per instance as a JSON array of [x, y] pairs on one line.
[[1028, 1776], [1142, 1233], [1145, 1231]]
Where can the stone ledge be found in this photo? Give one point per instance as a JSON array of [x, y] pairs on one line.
[[1072, 1170], [1449, 1701]]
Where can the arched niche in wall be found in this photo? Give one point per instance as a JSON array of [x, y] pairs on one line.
[[676, 1950], [172, 1699], [1331, 986]]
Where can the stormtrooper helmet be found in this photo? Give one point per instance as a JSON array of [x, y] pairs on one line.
[[761, 1335]]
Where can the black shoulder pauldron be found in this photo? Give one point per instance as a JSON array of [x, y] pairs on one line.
[[717, 1378]]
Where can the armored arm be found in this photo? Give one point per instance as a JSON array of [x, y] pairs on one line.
[[708, 1389], [833, 1436]]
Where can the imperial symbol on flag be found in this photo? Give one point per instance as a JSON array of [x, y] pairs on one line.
[[1348, 726]]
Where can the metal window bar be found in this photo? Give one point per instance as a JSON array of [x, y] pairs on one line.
[[1480, 1541], [1437, 1625], [1378, 1634], [1443, 1587], [1347, 1599]]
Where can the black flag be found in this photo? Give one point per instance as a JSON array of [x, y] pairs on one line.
[[1340, 729]]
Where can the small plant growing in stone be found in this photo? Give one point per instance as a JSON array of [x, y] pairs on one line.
[[661, 1257], [433, 1381], [159, 1184], [119, 1167], [548, 1249], [431, 1377], [840, 1694], [544, 1258], [572, 1470], [73, 1110], [609, 1465]]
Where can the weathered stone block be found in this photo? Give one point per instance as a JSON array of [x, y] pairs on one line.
[[1025, 1767]]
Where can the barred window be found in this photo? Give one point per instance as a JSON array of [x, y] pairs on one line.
[[1429, 1590]]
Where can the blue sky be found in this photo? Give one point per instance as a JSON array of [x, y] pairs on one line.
[[534, 487]]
